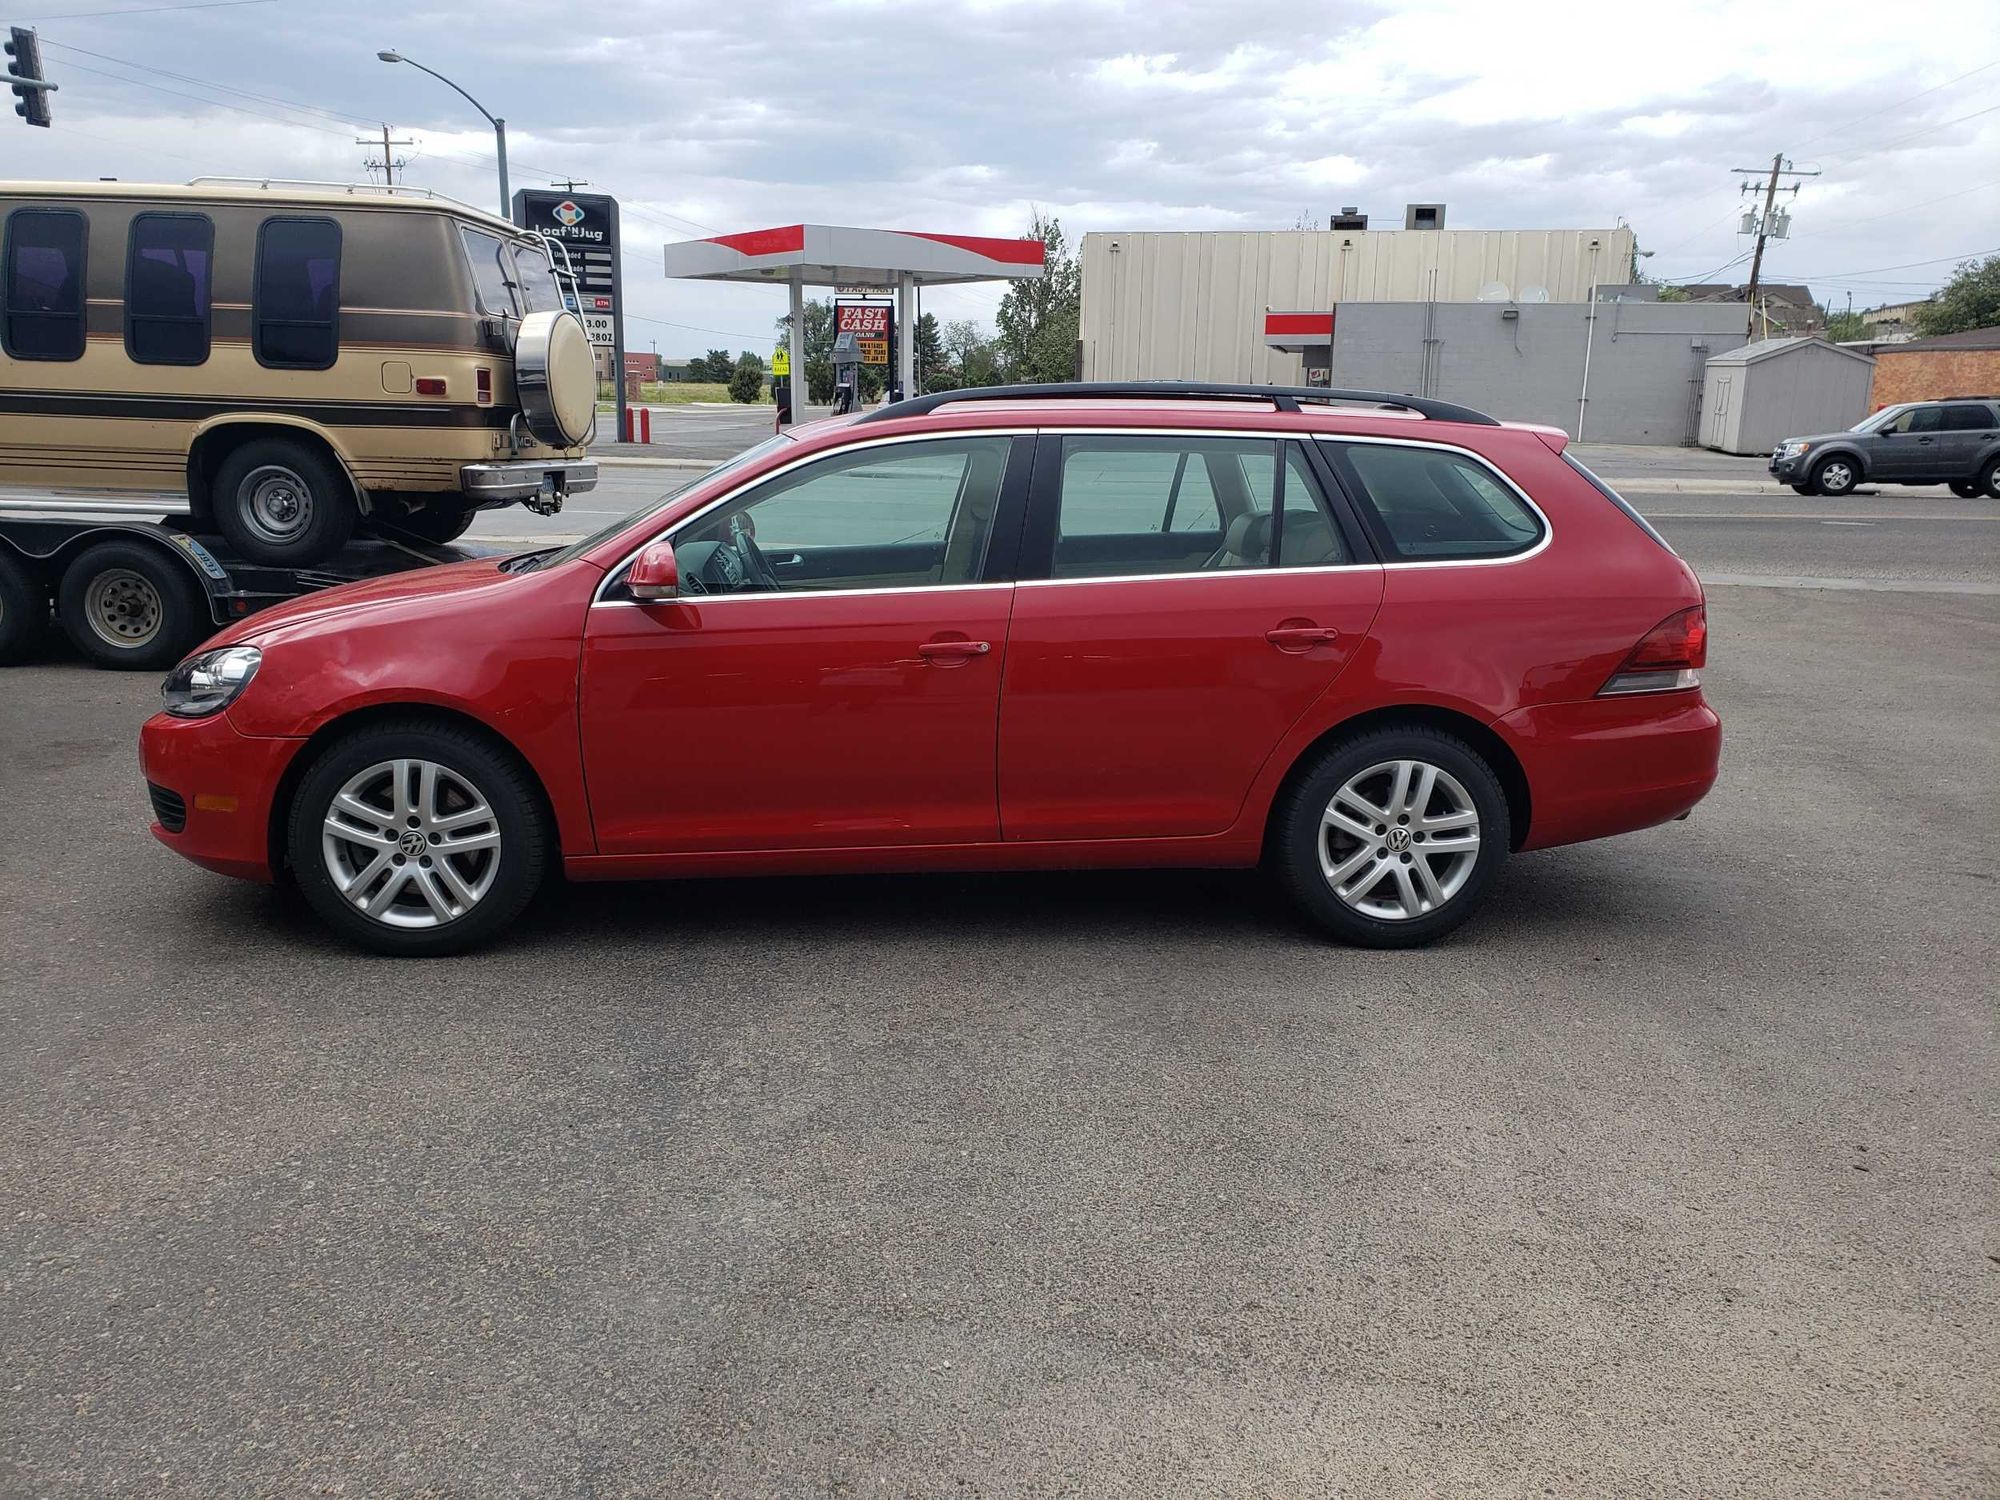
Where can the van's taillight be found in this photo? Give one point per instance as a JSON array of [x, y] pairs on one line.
[[1670, 655], [430, 385], [483, 385]]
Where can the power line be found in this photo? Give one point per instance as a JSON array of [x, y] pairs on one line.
[[1918, 134], [1877, 114], [149, 10], [1905, 266]]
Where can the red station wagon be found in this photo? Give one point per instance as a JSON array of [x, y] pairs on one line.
[[1376, 642]]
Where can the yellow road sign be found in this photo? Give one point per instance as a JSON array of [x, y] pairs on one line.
[[781, 362]]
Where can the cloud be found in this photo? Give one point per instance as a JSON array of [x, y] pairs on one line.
[[1115, 115]]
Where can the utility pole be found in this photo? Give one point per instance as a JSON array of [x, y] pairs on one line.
[[390, 162], [1766, 220], [569, 184]]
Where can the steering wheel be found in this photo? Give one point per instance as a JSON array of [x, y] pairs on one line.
[[757, 570]]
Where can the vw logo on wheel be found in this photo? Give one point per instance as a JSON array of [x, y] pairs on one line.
[[412, 842], [1397, 841]]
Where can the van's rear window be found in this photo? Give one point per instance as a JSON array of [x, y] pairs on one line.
[[43, 294], [296, 301]]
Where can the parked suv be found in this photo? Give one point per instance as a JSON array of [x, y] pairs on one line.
[[292, 357], [1375, 641], [1955, 441]]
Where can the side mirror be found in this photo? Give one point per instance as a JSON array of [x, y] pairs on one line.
[[655, 575]]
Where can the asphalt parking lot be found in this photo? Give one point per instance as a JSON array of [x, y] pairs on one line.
[[1673, 1173]]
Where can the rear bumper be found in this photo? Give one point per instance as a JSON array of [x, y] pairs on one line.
[[1612, 765], [225, 782], [523, 479]]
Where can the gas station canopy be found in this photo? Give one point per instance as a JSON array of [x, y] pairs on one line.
[[898, 260], [828, 255]]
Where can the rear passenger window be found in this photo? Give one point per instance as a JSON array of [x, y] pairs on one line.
[[43, 298], [295, 305], [167, 270], [1433, 505], [1137, 505], [1967, 418]]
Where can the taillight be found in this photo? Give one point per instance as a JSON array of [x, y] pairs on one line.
[[482, 379], [430, 385], [1669, 656]]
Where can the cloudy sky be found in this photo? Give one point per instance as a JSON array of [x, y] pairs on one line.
[[963, 115]]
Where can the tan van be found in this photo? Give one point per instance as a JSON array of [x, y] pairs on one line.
[[292, 357]]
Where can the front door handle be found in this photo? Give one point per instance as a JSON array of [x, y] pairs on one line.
[[1301, 637], [952, 653]]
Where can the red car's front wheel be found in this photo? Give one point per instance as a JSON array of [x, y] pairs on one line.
[[417, 839]]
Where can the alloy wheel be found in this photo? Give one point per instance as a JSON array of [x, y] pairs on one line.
[[411, 843], [1399, 840]]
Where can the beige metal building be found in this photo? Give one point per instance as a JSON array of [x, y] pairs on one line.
[[1200, 306]]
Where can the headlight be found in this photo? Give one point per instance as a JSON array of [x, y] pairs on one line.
[[210, 681], [1793, 450]]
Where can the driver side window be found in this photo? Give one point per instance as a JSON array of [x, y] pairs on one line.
[[903, 515]]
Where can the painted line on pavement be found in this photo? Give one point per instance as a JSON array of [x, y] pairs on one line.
[[1846, 585]]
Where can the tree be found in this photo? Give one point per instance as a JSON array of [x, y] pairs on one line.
[[746, 381], [819, 348], [1845, 327], [1971, 299], [1039, 319], [716, 365], [929, 350]]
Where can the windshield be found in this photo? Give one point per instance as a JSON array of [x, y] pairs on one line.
[[1880, 420], [742, 460]]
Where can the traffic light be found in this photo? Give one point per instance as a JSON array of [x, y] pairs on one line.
[[24, 69]]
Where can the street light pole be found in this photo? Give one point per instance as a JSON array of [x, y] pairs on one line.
[[499, 125]]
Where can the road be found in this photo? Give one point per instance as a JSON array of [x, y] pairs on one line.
[[1673, 1173]]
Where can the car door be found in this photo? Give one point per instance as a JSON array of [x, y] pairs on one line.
[[1908, 446], [830, 675], [1184, 598], [1962, 439]]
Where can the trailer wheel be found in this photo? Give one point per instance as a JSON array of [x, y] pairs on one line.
[[125, 606], [24, 610], [283, 504]]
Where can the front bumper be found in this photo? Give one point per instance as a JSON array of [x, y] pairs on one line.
[[1789, 470], [524, 479], [1613, 765], [225, 782]]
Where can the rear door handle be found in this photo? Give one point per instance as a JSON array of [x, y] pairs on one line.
[[953, 651], [1301, 637]]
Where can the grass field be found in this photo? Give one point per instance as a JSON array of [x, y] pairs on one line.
[[681, 393]]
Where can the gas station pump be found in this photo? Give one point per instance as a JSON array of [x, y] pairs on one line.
[[846, 373]]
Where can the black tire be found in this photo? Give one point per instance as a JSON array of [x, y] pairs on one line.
[[282, 503], [1802, 489], [1298, 835], [24, 610], [129, 606], [495, 775], [1846, 474], [439, 522], [1989, 478], [1965, 489]]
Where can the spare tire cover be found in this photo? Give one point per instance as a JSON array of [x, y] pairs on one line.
[[555, 378]]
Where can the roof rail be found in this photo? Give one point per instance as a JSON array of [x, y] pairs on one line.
[[393, 190], [1283, 397]]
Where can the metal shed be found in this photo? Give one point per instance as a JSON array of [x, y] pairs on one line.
[[1755, 397]]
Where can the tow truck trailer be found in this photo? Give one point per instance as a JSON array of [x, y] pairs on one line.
[[137, 588]]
